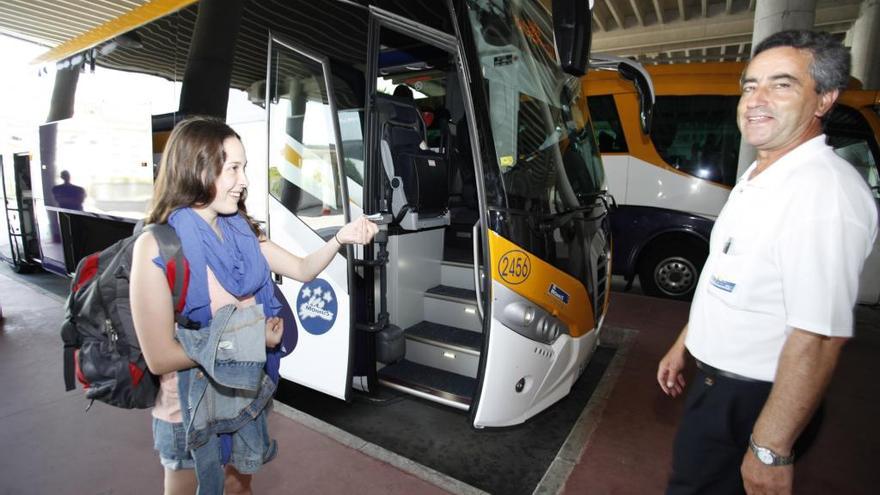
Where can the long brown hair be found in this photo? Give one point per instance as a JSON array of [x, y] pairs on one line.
[[191, 162]]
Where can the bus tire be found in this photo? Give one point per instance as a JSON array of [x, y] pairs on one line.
[[671, 269]]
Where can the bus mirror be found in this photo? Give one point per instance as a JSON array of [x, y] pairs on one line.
[[636, 73], [572, 33], [643, 85], [257, 93]]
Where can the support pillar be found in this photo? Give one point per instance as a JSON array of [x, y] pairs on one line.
[[772, 16], [205, 89], [865, 41]]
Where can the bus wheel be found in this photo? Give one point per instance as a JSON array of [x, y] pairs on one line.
[[671, 270]]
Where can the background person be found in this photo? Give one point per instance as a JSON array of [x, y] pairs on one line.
[[68, 195], [773, 306], [200, 191]]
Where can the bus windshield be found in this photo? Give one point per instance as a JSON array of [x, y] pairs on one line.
[[544, 143]]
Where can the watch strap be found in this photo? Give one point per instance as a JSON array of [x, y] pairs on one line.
[[768, 457]]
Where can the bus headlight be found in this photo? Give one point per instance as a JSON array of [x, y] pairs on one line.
[[525, 318]]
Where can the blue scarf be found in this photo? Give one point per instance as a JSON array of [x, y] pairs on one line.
[[239, 266]]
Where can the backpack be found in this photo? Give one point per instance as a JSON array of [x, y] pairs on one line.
[[101, 349]]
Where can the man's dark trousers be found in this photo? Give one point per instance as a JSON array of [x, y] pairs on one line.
[[714, 434]]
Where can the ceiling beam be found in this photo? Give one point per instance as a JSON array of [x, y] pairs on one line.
[[635, 6], [599, 21], [659, 9], [714, 31], [134, 18], [614, 13]]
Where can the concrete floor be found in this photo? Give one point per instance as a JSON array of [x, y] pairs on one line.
[[50, 445]]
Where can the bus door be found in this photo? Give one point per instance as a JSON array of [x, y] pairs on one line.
[[545, 285], [308, 203]]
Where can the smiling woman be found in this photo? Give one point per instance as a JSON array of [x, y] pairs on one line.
[[200, 192]]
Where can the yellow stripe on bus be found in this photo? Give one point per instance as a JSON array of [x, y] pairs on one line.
[[292, 156], [543, 284], [136, 17]]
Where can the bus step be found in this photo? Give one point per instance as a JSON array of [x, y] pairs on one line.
[[452, 293], [429, 383], [446, 336], [452, 306], [444, 347], [454, 274]]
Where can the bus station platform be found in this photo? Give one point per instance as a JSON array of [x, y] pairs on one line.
[[620, 445]]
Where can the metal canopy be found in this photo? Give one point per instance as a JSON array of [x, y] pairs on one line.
[[664, 31], [653, 31]]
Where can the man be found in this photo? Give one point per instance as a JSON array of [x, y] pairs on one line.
[[68, 195], [773, 306]]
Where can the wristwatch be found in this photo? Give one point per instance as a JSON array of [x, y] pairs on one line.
[[768, 457]]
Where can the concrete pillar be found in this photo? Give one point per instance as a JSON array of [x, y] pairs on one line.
[[772, 16], [865, 40]]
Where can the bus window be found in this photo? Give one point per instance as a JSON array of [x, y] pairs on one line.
[[302, 146], [853, 140], [698, 135], [606, 122]]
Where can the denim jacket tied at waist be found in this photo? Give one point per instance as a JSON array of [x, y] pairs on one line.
[[228, 393]]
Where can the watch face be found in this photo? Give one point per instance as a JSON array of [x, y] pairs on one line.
[[764, 456]]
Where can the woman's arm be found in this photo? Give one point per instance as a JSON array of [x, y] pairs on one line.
[[282, 262], [151, 310]]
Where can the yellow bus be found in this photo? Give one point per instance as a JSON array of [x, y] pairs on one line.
[[671, 183]]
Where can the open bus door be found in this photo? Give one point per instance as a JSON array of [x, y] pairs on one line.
[[543, 282], [308, 203]]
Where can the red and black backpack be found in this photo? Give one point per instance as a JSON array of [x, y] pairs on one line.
[[101, 349]]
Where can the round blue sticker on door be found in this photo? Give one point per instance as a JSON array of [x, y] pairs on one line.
[[316, 306]]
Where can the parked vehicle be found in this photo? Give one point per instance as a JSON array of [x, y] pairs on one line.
[[487, 287], [671, 183]]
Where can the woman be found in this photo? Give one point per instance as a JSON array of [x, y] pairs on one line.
[[200, 191]]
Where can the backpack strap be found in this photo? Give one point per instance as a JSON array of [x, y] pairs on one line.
[[176, 269]]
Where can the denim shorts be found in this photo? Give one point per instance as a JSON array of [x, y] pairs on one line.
[[169, 439]]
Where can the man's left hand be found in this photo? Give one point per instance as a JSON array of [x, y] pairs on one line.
[[761, 479]]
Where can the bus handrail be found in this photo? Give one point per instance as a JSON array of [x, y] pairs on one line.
[[478, 286]]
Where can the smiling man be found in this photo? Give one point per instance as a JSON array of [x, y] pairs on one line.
[[774, 303]]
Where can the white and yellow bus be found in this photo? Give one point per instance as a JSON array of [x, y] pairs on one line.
[[488, 284], [671, 183]]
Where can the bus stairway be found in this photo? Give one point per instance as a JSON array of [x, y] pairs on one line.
[[443, 351]]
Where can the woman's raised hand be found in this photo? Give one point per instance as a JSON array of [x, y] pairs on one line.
[[360, 231]]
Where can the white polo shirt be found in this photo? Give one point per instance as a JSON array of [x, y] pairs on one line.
[[785, 252]]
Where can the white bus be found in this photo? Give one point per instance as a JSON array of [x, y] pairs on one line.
[[671, 183], [488, 284]]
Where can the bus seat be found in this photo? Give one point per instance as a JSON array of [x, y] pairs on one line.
[[418, 177]]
